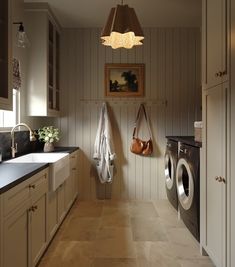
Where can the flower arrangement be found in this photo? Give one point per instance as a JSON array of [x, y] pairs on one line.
[[49, 134]]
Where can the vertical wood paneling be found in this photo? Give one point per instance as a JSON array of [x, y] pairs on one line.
[[172, 74]]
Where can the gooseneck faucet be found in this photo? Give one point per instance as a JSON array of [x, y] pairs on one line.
[[13, 144]]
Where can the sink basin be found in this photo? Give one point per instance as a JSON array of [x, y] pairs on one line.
[[59, 169]]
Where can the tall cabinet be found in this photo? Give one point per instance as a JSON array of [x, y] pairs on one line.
[[43, 86], [216, 175], [231, 240], [5, 55]]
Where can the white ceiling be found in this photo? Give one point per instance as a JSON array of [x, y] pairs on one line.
[[151, 13]]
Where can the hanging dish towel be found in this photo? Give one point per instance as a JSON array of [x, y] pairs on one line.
[[103, 148], [16, 74]]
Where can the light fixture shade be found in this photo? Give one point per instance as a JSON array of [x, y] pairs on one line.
[[122, 28], [22, 40]]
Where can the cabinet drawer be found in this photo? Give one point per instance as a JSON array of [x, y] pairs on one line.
[[15, 197], [33, 187], [39, 185]]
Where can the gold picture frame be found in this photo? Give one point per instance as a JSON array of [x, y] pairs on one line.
[[124, 80]]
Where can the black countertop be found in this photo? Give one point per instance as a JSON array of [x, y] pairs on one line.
[[12, 174], [188, 140]]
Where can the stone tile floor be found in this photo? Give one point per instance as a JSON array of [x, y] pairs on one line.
[[123, 234]]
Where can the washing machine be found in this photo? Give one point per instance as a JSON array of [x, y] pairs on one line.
[[171, 157], [188, 186]]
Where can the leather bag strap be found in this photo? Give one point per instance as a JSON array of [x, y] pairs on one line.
[[137, 121]]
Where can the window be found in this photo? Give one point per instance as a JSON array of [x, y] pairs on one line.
[[10, 118]]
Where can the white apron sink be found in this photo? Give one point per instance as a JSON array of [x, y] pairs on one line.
[[58, 165]]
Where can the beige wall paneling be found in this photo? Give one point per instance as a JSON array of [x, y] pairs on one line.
[[169, 55]]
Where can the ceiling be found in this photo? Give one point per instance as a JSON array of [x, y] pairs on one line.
[[151, 13]]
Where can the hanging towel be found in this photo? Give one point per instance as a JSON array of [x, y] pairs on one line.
[[103, 148], [16, 74]]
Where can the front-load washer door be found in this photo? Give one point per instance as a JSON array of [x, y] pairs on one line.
[[169, 170], [185, 184]]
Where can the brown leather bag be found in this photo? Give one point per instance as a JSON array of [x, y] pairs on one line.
[[139, 146]]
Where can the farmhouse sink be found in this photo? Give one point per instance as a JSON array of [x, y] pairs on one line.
[[58, 165]]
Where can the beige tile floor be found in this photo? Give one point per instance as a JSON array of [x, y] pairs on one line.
[[123, 234]]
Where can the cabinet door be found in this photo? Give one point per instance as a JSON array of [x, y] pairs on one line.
[[69, 187], [75, 181], [60, 202], [5, 56], [215, 170], [51, 214], [214, 42], [15, 239], [38, 229]]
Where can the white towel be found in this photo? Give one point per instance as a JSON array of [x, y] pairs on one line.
[[103, 148]]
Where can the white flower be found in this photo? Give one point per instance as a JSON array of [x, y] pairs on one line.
[[49, 134]]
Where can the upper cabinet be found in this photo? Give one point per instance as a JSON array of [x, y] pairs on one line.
[[43, 88], [215, 43], [5, 55]]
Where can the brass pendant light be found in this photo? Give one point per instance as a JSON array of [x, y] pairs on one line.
[[122, 28]]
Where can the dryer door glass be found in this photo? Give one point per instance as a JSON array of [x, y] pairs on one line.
[[169, 170], [185, 184]]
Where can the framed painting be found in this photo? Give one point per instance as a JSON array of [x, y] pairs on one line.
[[124, 80]]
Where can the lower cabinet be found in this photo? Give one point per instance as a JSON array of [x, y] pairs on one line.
[[30, 216], [60, 201], [214, 176], [15, 238], [24, 227]]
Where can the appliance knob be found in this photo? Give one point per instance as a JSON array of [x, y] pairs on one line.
[[185, 150]]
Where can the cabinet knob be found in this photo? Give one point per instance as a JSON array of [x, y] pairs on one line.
[[32, 186], [73, 169], [34, 208], [220, 73], [224, 72], [220, 179]]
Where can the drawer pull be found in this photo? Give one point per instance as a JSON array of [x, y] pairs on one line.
[[74, 169], [32, 186]]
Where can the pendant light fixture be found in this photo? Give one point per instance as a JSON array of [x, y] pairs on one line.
[[122, 28], [21, 37]]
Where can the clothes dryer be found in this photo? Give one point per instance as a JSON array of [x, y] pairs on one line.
[[188, 186]]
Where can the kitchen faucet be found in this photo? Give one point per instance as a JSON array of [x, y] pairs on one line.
[[13, 144]]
